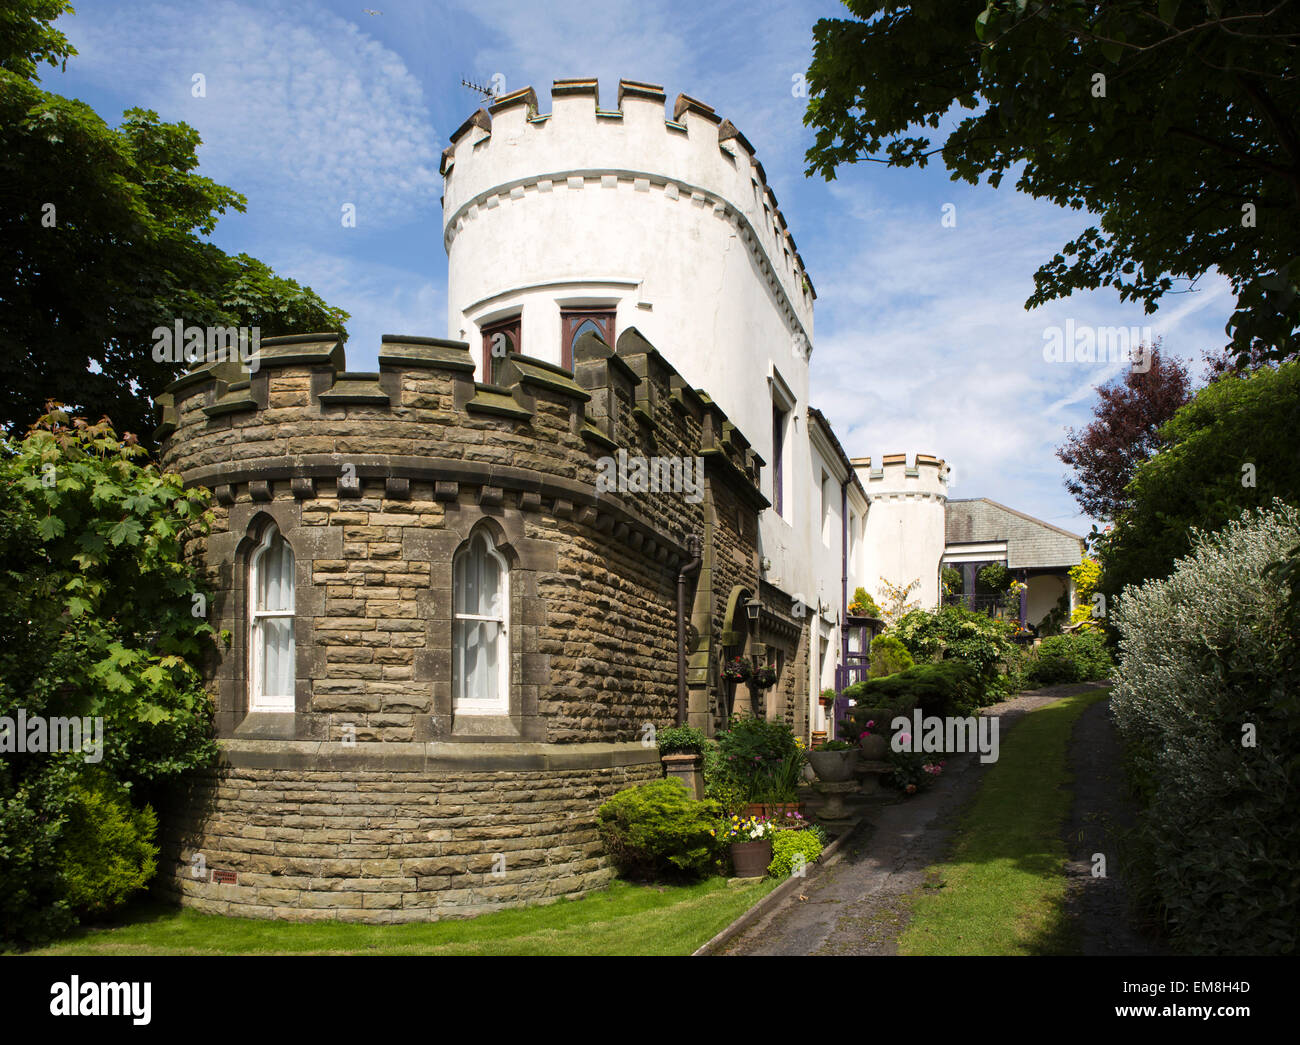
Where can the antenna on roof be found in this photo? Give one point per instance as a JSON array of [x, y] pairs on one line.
[[488, 94]]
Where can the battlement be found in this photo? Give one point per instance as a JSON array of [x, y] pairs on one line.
[[892, 478], [302, 420], [511, 152]]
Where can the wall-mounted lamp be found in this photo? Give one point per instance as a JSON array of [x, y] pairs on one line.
[[752, 606]]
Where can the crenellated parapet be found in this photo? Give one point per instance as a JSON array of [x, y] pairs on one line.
[[892, 478], [511, 156], [301, 424]]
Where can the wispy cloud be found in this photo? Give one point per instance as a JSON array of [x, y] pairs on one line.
[[302, 110]]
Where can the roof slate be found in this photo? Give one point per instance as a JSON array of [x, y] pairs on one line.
[[1031, 543]]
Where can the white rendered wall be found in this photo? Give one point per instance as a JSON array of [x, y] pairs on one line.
[[659, 220], [905, 530], [1042, 596]]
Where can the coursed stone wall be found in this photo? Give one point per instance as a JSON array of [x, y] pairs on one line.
[[349, 803]]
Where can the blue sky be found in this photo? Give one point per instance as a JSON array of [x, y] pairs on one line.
[[922, 342]]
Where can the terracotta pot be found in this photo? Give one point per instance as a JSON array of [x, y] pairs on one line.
[[773, 810], [874, 747], [750, 859], [833, 767]]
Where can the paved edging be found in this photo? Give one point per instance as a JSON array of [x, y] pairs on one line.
[[827, 857]]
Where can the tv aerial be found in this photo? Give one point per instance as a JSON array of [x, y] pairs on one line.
[[488, 94]]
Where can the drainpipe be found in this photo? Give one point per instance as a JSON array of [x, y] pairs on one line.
[[688, 569], [842, 670]]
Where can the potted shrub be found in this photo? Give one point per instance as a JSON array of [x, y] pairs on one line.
[[833, 762], [750, 841], [681, 750], [766, 759]]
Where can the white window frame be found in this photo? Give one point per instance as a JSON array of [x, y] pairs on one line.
[[258, 700], [500, 705]]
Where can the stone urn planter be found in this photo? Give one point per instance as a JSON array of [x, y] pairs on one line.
[[750, 859], [833, 767], [874, 747]]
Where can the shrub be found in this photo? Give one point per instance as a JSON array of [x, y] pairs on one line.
[[720, 785], [993, 578], [888, 656], [948, 687], [97, 619], [108, 851], [863, 605], [681, 740], [912, 771], [957, 633], [1086, 576], [1077, 657], [763, 757], [33, 902], [1205, 701], [787, 845], [658, 831]]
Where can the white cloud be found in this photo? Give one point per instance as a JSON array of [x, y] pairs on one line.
[[924, 345], [303, 111]]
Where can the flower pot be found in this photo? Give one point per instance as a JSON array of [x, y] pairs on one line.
[[874, 747], [750, 859], [773, 810], [833, 767]]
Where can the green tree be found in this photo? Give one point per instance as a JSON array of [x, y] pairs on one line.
[[103, 231], [1174, 122], [1235, 446], [100, 616]]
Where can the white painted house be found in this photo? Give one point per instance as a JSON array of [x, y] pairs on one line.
[[603, 217]]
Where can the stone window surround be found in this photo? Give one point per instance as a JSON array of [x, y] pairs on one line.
[[529, 671]]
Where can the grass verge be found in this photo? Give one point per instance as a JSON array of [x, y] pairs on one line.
[[624, 919], [1000, 891]]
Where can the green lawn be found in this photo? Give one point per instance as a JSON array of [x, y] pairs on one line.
[[623, 919], [1000, 890]]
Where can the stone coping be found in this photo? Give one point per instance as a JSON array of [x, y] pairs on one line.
[[432, 757]]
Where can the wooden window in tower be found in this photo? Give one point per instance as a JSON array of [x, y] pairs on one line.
[[499, 339], [574, 322]]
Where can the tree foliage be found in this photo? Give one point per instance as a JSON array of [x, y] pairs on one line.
[[103, 231], [1175, 122], [1124, 432], [1235, 445], [100, 617]]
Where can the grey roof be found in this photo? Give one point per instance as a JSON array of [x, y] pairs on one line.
[[1031, 543]]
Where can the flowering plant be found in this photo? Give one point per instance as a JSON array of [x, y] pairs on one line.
[[744, 829], [737, 669], [763, 677], [911, 771]]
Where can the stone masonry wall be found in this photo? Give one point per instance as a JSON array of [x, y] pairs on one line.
[[387, 846]]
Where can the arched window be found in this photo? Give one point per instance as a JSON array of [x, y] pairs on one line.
[[270, 624], [577, 321], [480, 629]]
